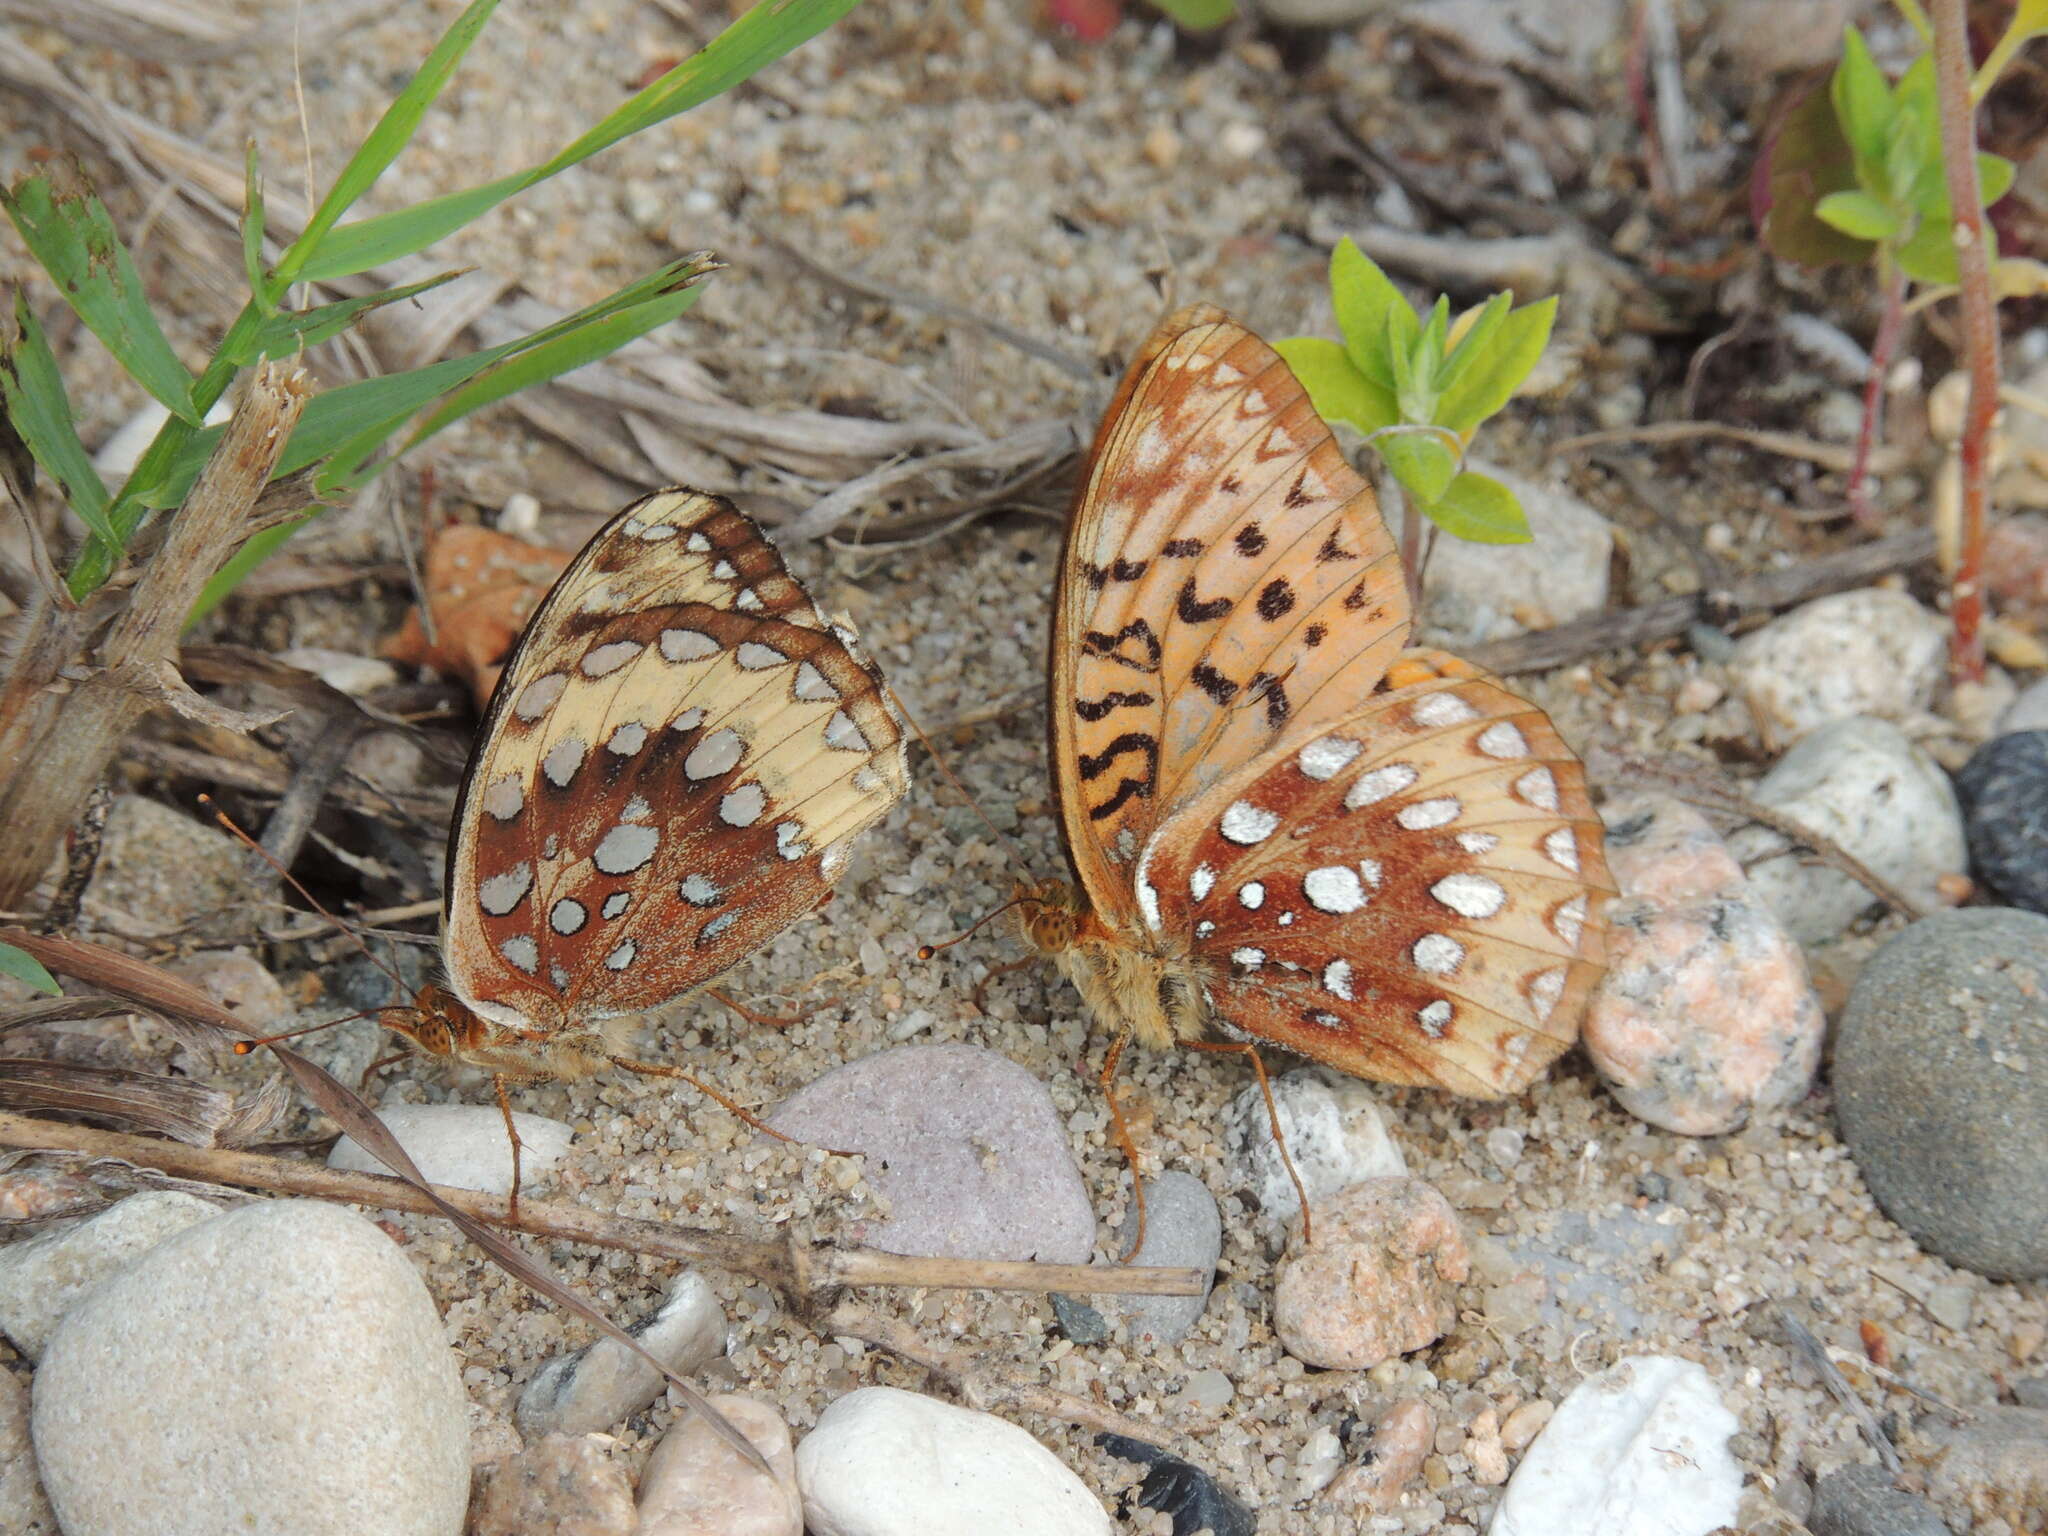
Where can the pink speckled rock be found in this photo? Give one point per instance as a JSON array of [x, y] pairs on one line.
[[1401, 1441], [1706, 1015], [1377, 1281]]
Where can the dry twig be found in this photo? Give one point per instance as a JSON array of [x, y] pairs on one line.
[[801, 1271], [1766, 591]]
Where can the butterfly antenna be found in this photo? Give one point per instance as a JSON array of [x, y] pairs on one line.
[[313, 901], [926, 951], [945, 771], [245, 1047]]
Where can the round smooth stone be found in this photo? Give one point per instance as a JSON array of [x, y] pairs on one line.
[[464, 1145], [1183, 1229], [1939, 1088], [884, 1462], [279, 1368]]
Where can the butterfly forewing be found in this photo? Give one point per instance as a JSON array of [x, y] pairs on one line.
[[1411, 896], [673, 766], [1227, 583]]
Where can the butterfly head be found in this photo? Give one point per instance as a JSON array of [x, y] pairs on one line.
[[1053, 913], [436, 1022]]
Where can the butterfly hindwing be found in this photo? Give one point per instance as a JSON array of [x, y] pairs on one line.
[[1411, 896], [1227, 582], [672, 768]]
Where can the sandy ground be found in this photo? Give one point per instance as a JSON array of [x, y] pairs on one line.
[[958, 152]]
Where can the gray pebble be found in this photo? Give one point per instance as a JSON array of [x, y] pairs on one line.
[[1940, 1088], [1182, 1228], [1335, 1135], [1867, 652], [601, 1387], [41, 1278], [1862, 1501], [280, 1367], [964, 1144], [1862, 783], [2031, 1391], [464, 1145]]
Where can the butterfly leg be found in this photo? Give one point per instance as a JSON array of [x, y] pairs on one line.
[[512, 1131], [1129, 1147], [980, 993], [738, 1111], [1245, 1048], [771, 1020]]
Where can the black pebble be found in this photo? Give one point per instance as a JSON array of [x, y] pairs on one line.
[[1193, 1498], [2004, 790], [1079, 1321]]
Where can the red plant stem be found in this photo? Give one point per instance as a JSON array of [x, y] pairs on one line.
[[1889, 326], [1980, 331]]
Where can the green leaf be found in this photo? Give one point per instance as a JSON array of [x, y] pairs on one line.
[[554, 358], [1858, 214], [1475, 342], [1863, 105], [1199, 15], [1930, 256], [1994, 178], [1336, 388], [1491, 381], [384, 143], [290, 329], [72, 238], [32, 391], [764, 34], [252, 229], [1479, 509], [23, 966], [1805, 159], [1422, 461], [1363, 296]]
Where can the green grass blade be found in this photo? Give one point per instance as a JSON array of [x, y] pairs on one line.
[[383, 144], [32, 390], [72, 237], [252, 228], [767, 32], [291, 329], [551, 360]]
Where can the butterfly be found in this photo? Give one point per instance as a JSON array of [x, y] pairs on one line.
[[1283, 825], [672, 770]]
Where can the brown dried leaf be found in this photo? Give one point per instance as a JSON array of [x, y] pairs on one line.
[[482, 586]]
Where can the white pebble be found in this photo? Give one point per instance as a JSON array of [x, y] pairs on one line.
[[885, 1462], [600, 1387], [463, 1145], [1639, 1450]]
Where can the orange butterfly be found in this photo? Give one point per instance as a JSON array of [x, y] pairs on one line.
[[1283, 826], [673, 769]]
